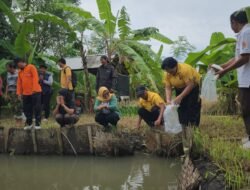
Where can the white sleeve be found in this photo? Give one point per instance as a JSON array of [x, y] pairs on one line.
[[49, 81], [245, 43]]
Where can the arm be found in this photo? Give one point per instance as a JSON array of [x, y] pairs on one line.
[[113, 103], [68, 76], [228, 63], [243, 59], [67, 109], [56, 110], [189, 86], [35, 78], [49, 81], [97, 81], [139, 122], [168, 91], [158, 121], [19, 85], [6, 90], [114, 77]]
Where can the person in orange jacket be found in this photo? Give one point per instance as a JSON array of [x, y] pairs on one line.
[[29, 90]]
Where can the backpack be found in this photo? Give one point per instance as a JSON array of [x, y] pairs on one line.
[[73, 77]]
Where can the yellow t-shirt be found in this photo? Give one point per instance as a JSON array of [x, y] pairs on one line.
[[154, 99], [185, 73], [65, 73]]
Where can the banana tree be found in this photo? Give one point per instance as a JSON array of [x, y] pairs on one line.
[[219, 51], [143, 63]]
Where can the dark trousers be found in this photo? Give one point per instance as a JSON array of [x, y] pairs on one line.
[[105, 119], [149, 117], [32, 104], [244, 98], [46, 104], [66, 119], [190, 108]]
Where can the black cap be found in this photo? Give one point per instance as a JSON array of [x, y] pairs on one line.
[[169, 63], [140, 90]]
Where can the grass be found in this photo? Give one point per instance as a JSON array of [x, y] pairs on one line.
[[219, 139]]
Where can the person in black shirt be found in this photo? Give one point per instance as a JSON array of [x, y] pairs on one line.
[[65, 109], [106, 75], [46, 81]]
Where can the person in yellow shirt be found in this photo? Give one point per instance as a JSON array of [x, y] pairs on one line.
[[151, 108], [66, 75], [185, 80]]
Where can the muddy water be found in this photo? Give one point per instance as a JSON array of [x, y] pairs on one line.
[[139, 172]]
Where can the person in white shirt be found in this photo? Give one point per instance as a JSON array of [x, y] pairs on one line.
[[241, 62]]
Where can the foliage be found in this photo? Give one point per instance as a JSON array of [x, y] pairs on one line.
[[181, 47], [219, 51]]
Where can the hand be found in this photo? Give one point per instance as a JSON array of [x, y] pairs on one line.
[[177, 100], [220, 73], [19, 97], [157, 122], [62, 101], [102, 106], [58, 100]]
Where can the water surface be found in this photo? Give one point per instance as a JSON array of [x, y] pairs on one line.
[[140, 172]]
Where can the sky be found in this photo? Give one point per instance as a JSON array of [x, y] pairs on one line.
[[195, 19]]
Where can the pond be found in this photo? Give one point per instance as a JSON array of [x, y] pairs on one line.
[[139, 172]]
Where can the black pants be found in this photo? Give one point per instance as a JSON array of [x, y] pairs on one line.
[[190, 108], [105, 119], [46, 104], [32, 104], [66, 119], [244, 98], [149, 117]]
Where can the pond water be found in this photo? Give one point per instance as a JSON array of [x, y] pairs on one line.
[[140, 172]]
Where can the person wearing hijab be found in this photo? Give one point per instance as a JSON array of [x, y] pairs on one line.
[[106, 108]]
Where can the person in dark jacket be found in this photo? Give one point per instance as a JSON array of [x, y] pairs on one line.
[[106, 75], [46, 81]]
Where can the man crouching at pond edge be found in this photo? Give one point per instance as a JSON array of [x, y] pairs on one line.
[[106, 108], [65, 109], [151, 107]]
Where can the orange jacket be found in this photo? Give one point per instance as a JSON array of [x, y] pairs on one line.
[[28, 81]]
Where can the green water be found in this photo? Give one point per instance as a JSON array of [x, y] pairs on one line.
[[139, 172]]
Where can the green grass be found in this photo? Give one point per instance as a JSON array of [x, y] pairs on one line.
[[219, 139]]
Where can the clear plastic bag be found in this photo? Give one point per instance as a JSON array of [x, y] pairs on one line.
[[208, 90], [171, 120]]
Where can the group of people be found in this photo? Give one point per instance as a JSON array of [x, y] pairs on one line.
[[28, 89]]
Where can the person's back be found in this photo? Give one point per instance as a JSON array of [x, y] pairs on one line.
[[66, 75]]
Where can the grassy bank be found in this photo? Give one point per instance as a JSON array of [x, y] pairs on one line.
[[219, 139]]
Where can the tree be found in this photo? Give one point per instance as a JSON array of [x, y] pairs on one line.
[[181, 47]]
